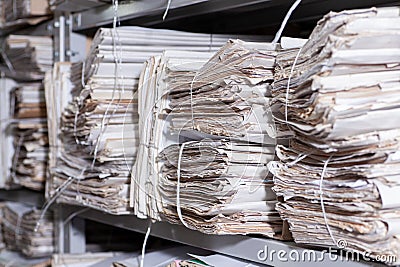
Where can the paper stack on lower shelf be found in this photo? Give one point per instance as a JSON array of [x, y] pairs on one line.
[[26, 231], [339, 176]]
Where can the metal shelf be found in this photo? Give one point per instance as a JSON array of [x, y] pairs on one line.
[[77, 5], [25, 196], [24, 27], [231, 14], [104, 15], [244, 247]]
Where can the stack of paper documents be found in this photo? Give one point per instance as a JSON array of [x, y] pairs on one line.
[[154, 129], [224, 187], [19, 223], [222, 107], [229, 95], [28, 57], [58, 87], [29, 164], [339, 176], [17, 12], [99, 128], [6, 136]]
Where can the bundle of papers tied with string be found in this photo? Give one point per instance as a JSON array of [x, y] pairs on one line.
[[25, 229], [218, 109], [30, 140], [99, 127], [339, 175]]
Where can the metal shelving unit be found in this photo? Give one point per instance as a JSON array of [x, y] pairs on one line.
[[255, 249], [263, 13], [25, 196]]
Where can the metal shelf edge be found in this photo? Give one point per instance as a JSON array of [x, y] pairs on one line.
[[25, 196], [244, 247]]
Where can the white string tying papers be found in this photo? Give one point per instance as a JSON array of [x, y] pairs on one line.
[[288, 85], [285, 20], [74, 214], [57, 193], [178, 184], [83, 74], [75, 123], [191, 99], [167, 9], [299, 158], [117, 69], [146, 238], [16, 156], [17, 231], [321, 192]]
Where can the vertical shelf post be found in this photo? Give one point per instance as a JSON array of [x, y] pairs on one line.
[[69, 231]]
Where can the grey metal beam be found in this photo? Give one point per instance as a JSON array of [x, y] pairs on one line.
[[77, 5], [74, 236], [69, 230], [105, 14], [149, 13], [254, 249], [25, 196]]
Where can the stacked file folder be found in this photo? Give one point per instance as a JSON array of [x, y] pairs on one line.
[[339, 176], [154, 130], [21, 232], [28, 57], [208, 135], [29, 164], [99, 128]]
